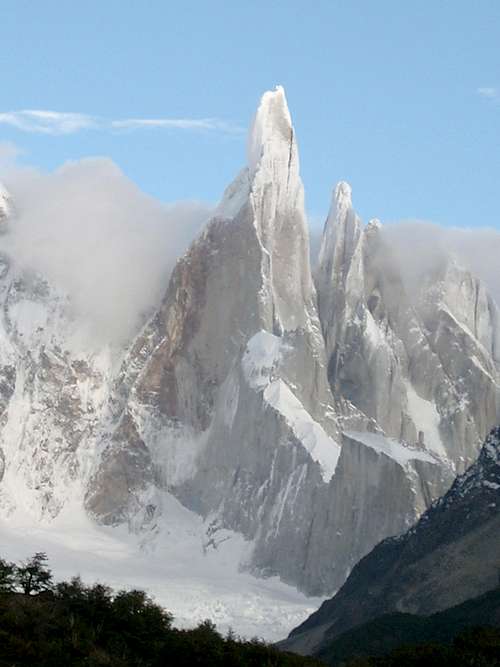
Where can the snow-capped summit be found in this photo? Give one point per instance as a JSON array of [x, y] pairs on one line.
[[343, 195], [271, 130], [271, 179], [341, 233]]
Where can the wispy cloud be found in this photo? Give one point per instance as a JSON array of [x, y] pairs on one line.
[[489, 92], [47, 122], [57, 123]]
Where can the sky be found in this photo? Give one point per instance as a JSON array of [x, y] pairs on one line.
[[400, 99]]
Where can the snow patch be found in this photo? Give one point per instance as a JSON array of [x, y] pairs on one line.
[[30, 318], [426, 418], [372, 330], [260, 358], [322, 448], [392, 448]]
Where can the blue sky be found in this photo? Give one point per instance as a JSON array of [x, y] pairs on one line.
[[402, 99]]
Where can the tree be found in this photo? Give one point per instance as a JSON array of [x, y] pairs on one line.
[[33, 575], [7, 576]]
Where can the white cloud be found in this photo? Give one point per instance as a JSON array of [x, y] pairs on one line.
[[94, 234], [9, 152], [422, 246], [489, 92], [176, 123], [47, 122], [57, 123]]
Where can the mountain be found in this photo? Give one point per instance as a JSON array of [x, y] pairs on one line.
[[232, 372], [451, 555], [391, 632], [409, 358], [276, 401]]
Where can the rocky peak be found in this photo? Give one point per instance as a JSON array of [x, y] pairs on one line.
[[483, 476], [272, 162], [341, 232], [271, 135], [340, 274]]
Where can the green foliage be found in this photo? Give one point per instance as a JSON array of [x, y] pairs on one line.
[[70, 624], [33, 575], [406, 639], [7, 576], [476, 647]]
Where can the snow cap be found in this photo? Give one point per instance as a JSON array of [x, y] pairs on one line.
[[271, 125], [342, 195]]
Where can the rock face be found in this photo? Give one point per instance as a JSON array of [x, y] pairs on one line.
[[451, 555], [227, 388], [51, 398], [423, 361], [284, 410]]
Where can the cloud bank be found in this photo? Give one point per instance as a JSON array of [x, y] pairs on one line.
[[422, 246], [94, 234], [57, 123]]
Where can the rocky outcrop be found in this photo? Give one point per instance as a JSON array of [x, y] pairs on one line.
[[421, 361], [51, 397]]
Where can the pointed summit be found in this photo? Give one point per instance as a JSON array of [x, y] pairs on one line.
[[272, 163], [271, 127], [343, 195], [340, 235], [267, 197]]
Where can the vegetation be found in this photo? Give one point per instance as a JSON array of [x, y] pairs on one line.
[[475, 647], [43, 624]]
